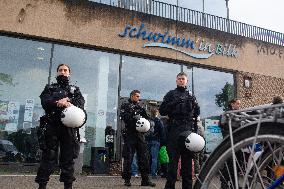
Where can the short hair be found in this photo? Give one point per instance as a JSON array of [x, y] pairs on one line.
[[134, 92], [154, 111], [277, 100], [181, 74], [232, 102], [63, 65]]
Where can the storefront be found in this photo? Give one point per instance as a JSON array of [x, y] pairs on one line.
[[112, 51]]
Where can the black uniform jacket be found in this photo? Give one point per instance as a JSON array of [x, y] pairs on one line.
[[55, 92]]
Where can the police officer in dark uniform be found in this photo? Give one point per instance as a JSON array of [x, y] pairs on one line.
[[181, 108], [53, 134], [130, 112]]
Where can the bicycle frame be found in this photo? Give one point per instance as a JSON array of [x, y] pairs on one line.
[[277, 182], [248, 116]]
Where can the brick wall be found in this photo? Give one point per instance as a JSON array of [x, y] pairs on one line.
[[262, 90]]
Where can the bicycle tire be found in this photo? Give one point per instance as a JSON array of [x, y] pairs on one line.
[[271, 131]]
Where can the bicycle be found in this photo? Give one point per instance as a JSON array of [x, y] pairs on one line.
[[251, 156]]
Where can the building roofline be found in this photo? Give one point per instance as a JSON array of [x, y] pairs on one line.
[[181, 14]]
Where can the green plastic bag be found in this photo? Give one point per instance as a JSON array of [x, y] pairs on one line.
[[163, 155]]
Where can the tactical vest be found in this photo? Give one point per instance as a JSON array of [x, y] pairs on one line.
[[58, 92], [183, 108]]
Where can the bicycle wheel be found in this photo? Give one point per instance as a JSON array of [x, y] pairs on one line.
[[255, 167]]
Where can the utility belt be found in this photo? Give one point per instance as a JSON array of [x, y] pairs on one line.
[[181, 124], [180, 121], [126, 132], [41, 132], [53, 116], [45, 122]]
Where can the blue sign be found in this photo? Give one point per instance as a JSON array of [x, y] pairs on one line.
[[165, 40]]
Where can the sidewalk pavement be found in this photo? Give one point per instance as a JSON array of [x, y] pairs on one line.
[[82, 182]]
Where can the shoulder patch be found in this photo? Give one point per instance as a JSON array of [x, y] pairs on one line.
[[72, 89]]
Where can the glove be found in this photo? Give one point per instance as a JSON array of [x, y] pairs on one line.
[[137, 117]]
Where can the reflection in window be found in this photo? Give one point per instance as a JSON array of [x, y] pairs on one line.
[[24, 71], [96, 74], [153, 78], [24, 67], [207, 84]]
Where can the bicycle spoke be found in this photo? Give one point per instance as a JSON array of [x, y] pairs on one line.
[[252, 157]]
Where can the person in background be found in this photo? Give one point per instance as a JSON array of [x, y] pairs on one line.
[[234, 104], [134, 141], [164, 165], [227, 177], [155, 138], [277, 100], [198, 157]]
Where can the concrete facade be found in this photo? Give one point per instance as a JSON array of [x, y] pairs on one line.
[[102, 27]]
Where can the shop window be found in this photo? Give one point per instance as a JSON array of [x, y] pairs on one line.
[[213, 89], [153, 78], [96, 74], [24, 69]]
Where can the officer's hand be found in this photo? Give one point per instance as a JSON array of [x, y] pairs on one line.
[[63, 103], [68, 104]]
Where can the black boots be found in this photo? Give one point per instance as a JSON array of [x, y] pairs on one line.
[[127, 182], [42, 186], [148, 183], [68, 185]]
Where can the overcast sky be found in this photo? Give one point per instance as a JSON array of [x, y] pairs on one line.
[[261, 13]]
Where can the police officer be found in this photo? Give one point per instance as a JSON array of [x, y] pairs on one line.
[[130, 112], [234, 104], [155, 138], [181, 107], [53, 134], [198, 157]]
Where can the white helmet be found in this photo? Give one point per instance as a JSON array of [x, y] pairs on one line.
[[142, 125], [194, 142], [73, 117]]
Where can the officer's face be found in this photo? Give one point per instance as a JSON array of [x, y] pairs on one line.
[[135, 97], [63, 70], [181, 81]]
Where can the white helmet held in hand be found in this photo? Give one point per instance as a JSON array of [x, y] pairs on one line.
[[194, 142], [142, 125], [73, 117]]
